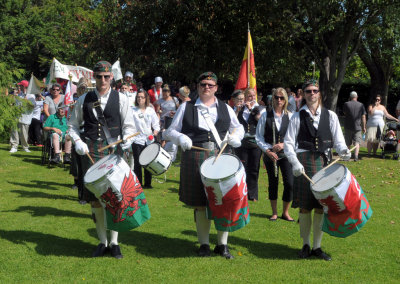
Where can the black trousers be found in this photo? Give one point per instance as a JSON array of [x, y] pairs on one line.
[[35, 133], [251, 162], [137, 149], [287, 176]]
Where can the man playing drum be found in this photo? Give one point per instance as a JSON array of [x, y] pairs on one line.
[[190, 128], [98, 132], [311, 132]]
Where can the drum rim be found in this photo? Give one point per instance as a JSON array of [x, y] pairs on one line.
[[159, 147], [110, 171], [225, 178], [334, 186]]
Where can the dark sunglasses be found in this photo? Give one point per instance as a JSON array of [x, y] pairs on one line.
[[311, 91], [57, 90], [279, 98], [101, 76], [203, 85]]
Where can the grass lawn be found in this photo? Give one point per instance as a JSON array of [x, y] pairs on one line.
[[47, 236]]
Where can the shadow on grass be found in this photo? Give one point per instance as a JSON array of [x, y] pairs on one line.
[[259, 249], [42, 184], [37, 211], [261, 215], [38, 194], [154, 245], [47, 244]]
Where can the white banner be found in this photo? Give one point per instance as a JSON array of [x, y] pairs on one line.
[[58, 70], [116, 69]]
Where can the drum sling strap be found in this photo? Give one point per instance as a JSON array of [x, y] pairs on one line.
[[211, 125]]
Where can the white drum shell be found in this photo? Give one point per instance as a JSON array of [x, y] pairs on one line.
[[155, 159]]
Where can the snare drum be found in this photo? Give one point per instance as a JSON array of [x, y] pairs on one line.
[[226, 190], [345, 205], [116, 186], [155, 159]]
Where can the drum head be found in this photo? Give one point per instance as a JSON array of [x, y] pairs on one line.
[[225, 166], [329, 178], [149, 154], [101, 168]]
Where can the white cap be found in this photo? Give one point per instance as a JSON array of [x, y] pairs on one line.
[[158, 80], [353, 95], [129, 74]]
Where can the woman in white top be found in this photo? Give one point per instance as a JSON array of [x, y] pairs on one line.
[[275, 123], [147, 123], [375, 123], [166, 107]]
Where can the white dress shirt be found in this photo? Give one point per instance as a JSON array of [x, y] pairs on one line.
[[174, 131], [144, 123], [290, 142], [126, 115], [260, 140]]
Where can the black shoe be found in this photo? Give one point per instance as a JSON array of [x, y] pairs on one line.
[[56, 159], [204, 251], [147, 187], [116, 252], [67, 159], [305, 252], [320, 254], [286, 218], [101, 250], [223, 250]]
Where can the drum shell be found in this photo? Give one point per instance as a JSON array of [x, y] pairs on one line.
[[227, 197], [160, 163], [346, 208], [119, 192]]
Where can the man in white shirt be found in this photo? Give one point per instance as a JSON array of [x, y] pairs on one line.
[[190, 128]]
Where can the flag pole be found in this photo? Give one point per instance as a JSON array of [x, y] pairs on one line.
[[248, 55]]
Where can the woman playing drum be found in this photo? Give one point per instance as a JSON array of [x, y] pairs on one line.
[[145, 119], [311, 132], [271, 130]]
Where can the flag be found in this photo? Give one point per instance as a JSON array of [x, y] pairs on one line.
[[247, 73], [68, 94], [35, 86], [116, 69]]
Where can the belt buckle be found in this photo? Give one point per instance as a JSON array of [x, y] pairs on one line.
[[209, 145]]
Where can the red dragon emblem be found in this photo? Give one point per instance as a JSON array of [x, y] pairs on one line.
[[130, 189]]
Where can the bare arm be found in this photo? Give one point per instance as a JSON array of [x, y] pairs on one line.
[[388, 115]]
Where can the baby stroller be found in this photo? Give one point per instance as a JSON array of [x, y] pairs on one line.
[[389, 141]]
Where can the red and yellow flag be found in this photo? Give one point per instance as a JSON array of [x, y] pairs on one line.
[[247, 74]]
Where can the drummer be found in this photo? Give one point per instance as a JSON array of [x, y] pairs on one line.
[[117, 122], [190, 127], [311, 131]]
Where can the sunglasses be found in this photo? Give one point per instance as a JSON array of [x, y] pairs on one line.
[[138, 97], [278, 98], [106, 77], [56, 90], [311, 91], [203, 85], [377, 100]]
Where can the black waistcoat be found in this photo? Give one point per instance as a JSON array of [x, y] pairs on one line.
[[249, 126], [279, 135], [93, 129], [190, 123], [315, 140]]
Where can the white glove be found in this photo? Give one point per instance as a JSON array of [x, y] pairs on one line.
[[126, 144], [345, 154], [185, 142], [297, 167], [81, 148], [234, 141]]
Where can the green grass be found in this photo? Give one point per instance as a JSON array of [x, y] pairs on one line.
[[47, 236]]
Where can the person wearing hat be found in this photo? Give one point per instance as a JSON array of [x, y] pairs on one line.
[[156, 92], [106, 117], [56, 124], [129, 81], [20, 134], [311, 132], [190, 127], [354, 123]]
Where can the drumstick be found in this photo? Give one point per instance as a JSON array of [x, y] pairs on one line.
[[117, 142], [90, 158], [306, 176], [199, 148], [337, 159], [223, 148]]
